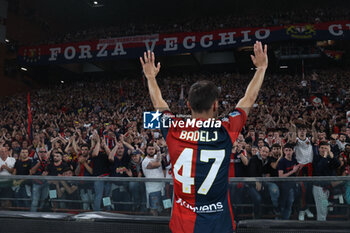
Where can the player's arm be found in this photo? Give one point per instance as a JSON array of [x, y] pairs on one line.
[[151, 71], [260, 60]]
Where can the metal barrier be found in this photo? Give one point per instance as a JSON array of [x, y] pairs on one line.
[[133, 215]]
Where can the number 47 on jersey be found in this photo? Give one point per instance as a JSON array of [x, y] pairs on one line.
[[184, 161]]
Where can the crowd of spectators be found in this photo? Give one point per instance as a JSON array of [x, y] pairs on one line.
[[203, 23], [298, 127]]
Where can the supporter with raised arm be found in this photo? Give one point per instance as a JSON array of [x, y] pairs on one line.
[[152, 168], [304, 153], [100, 167], [120, 159], [136, 189]]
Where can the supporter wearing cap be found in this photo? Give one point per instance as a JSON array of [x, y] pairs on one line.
[[304, 152], [135, 164], [136, 189]]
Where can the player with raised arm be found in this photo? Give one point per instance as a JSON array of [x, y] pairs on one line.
[[201, 155]]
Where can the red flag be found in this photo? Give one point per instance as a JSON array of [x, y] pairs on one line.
[[30, 132]]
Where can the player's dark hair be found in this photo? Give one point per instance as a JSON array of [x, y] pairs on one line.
[[202, 95]]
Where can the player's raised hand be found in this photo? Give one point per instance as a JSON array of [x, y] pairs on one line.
[[259, 58], [148, 65]]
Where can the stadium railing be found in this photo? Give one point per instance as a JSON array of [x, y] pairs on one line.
[[128, 195]]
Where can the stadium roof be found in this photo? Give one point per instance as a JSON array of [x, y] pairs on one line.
[[68, 15]]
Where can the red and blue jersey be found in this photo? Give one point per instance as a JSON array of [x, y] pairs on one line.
[[200, 155]]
